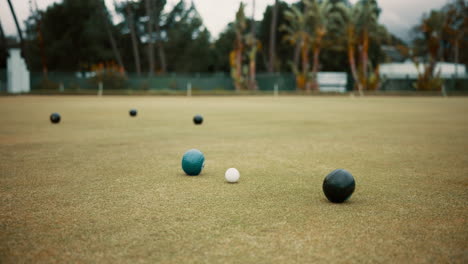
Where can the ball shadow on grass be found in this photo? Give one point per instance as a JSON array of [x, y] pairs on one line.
[[190, 176], [350, 202]]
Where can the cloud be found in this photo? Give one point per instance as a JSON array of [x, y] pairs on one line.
[[398, 15], [217, 14]]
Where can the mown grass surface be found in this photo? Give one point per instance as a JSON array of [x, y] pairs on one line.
[[102, 187]]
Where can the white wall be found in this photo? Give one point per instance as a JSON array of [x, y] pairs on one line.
[[17, 73], [401, 70], [332, 81]]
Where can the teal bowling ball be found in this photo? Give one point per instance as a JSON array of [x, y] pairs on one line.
[[338, 186], [193, 162]]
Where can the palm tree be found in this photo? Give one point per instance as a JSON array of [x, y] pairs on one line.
[[455, 26], [131, 25], [298, 32], [367, 15], [320, 15], [236, 55], [308, 28], [252, 54], [350, 17], [272, 46], [432, 27]]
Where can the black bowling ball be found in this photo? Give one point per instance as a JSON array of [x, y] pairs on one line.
[[338, 186], [55, 118], [198, 120], [133, 112]]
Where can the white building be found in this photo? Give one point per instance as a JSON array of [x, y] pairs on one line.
[[17, 73], [408, 69]]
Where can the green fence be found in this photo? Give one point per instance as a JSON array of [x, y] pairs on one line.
[[176, 82], [456, 84], [453, 84], [3, 80], [284, 81], [397, 84], [201, 82], [180, 82]]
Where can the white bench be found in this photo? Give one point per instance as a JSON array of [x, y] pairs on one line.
[[332, 81]]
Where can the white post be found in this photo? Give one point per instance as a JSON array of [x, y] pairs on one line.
[[189, 89], [444, 92], [275, 93], [100, 89], [61, 87]]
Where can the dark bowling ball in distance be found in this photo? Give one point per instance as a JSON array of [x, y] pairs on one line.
[[55, 118], [198, 120], [338, 186], [133, 112]]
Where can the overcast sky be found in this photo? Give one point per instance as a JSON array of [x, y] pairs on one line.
[[398, 15]]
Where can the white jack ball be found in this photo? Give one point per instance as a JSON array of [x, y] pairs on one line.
[[232, 175]]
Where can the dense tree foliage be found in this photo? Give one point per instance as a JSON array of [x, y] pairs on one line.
[[188, 41], [284, 53], [73, 33]]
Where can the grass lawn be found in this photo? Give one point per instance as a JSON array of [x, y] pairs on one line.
[[102, 187]]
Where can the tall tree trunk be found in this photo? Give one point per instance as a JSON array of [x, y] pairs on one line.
[[352, 65], [38, 18], [252, 29], [131, 25], [305, 63], [320, 33], [113, 43], [351, 58], [253, 55], [239, 47], [314, 83], [456, 56], [365, 54], [253, 82], [42, 48], [149, 13], [297, 54], [161, 52], [265, 59], [115, 50], [162, 57], [272, 51]]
